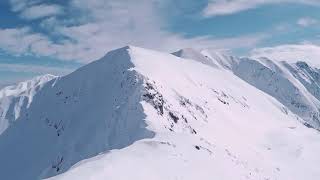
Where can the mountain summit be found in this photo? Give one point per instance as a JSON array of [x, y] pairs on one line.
[[142, 114]]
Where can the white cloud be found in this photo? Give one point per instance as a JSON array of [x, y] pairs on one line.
[[19, 68], [291, 53], [92, 44], [123, 22], [18, 40], [307, 21], [22, 41], [19, 5], [227, 7], [40, 11], [106, 25], [34, 9]]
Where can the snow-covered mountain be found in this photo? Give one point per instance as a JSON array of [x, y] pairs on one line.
[[16, 99], [142, 114], [295, 85]]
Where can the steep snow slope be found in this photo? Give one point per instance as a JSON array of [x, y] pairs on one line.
[[295, 85], [141, 114], [15, 100], [281, 81], [92, 110]]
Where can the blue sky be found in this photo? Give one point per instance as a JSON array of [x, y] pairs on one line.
[[57, 36]]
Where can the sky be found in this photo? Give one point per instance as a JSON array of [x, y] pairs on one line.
[[57, 36]]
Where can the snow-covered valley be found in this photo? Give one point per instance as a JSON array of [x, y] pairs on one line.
[[142, 114]]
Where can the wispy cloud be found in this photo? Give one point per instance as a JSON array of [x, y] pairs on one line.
[[41, 11], [100, 26], [18, 40], [291, 52], [19, 5], [227, 7], [35, 9], [35, 69], [23, 41], [307, 21]]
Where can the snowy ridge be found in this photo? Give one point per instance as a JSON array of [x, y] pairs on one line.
[[142, 114], [26, 86], [295, 85], [17, 98]]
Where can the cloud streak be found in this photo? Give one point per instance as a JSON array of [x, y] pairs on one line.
[[34, 9], [35, 69], [18, 40], [307, 21], [40, 11], [291, 53], [227, 7]]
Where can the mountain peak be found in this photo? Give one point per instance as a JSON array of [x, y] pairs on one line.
[[188, 117]]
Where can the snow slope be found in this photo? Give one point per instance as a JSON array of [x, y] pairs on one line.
[[141, 114], [16, 99], [295, 85]]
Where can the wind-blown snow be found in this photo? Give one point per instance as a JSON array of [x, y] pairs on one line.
[[142, 114]]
